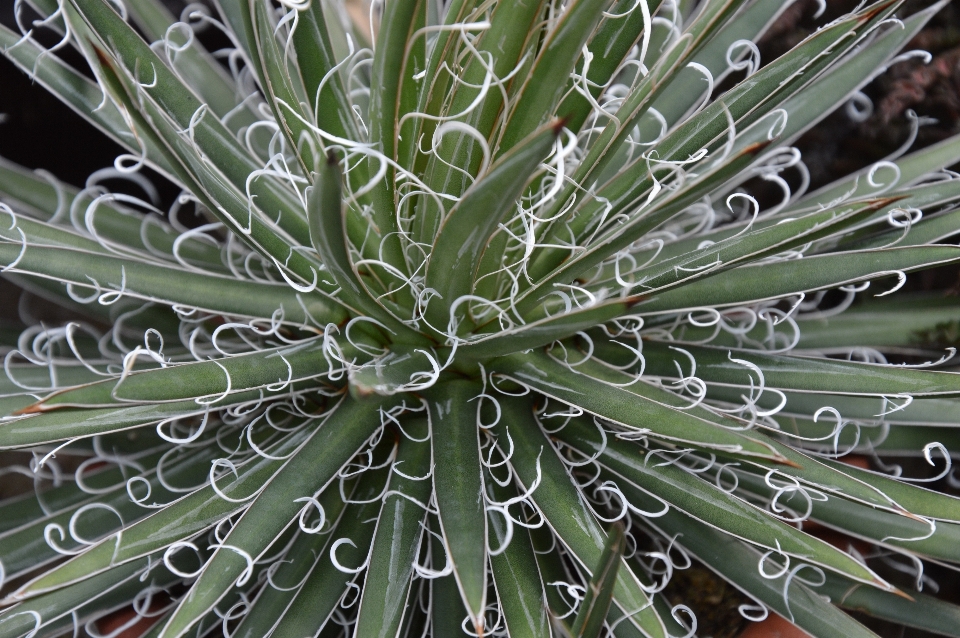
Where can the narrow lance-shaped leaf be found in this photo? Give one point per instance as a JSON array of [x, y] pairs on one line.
[[552, 319], [500, 48], [178, 102], [270, 604], [178, 521], [513, 563], [738, 563], [341, 562], [81, 94], [646, 90], [936, 539], [751, 284], [198, 68], [467, 228], [326, 215], [544, 85], [599, 592], [921, 611], [117, 506], [205, 380], [686, 90], [315, 60], [907, 170], [155, 282], [30, 616], [65, 424], [557, 266], [446, 604], [673, 487], [628, 21], [396, 542], [388, 73], [313, 466], [622, 398], [120, 227], [284, 92], [539, 470], [708, 129], [458, 486], [192, 169], [798, 374], [914, 498]]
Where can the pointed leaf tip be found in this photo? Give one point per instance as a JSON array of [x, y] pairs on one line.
[[599, 594], [875, 11]]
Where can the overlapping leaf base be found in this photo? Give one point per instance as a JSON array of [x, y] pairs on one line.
[[460, 305]]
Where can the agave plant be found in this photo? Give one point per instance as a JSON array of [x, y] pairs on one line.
[[478, 326]]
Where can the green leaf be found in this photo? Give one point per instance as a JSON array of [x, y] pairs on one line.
[[285, 94], [909, 169], [446, 603], [545, 83], [178, 521], [467, 228], [939, 540], [308, 472], [78, 92], [388, 72], [638, 100], [111, 277], [17, 511], [610, 44], [686, 90], [599, 592], [707, 503], [194, 64], [610, 234], [515, 573], [751, 246], [873, 232], [624, 399], [203, 178], [821, 474], [176, 101], [436, 83], [327, 219], [206, 380], [402, 369], [930, 230], [91, 517], [315, 60], [809, 106], [709, 130], [667, 274], [396, 543], [913, 498], [500, 48], [117, 226], [24, 618], [797, 374], [786, 594], [919, 611], [274, 598], [539, 470], [458, 486], [751, 284], [326, 583]]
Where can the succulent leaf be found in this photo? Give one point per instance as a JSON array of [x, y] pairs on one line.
[[450, 290]]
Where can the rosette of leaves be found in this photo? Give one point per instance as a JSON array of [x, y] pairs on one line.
[[481, 329]]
